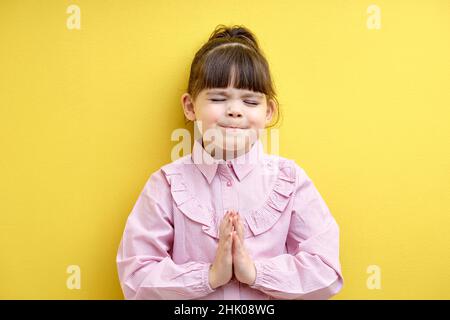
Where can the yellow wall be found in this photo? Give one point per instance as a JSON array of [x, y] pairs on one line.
[[86, 117]]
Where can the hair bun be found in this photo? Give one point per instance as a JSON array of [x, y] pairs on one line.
[[233, 33]]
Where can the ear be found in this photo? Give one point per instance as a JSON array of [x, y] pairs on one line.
[[188, 106], [270, 111]]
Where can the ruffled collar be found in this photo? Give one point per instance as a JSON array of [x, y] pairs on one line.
[[241, 165], [256, 220]]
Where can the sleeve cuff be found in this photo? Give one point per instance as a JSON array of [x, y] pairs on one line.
[[259, 266]]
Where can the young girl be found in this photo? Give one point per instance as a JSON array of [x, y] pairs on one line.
[[229, 221]]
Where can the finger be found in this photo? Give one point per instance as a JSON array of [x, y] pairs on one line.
[[223, 223], [229, 241], [234, 218], [226, 223], [224, 218], [234, 244], [225, 229], [240, 228], [230, 223], [236, 241], [233, 215]]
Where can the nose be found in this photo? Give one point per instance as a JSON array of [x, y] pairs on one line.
[[234, 111]]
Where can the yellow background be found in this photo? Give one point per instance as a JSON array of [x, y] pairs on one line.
[[86, 116]]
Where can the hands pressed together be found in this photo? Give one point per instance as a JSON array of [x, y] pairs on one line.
[[232, 257]]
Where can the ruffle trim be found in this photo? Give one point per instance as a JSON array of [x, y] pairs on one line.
[[255, 221]]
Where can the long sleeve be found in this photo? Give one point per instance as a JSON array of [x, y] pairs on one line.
[[311, 268], [145, 267]]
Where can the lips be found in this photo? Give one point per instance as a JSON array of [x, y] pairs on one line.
[[232, 127]]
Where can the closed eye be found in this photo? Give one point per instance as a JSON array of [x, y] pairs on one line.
[[248, 102]]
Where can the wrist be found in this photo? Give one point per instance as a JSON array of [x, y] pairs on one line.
[[212, 278], [252, 275]]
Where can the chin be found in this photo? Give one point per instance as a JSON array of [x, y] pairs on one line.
[[229, 144], [235, 145]]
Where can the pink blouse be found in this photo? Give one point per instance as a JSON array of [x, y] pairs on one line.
[[171, 235]]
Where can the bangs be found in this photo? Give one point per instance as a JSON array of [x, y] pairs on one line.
[[235, 66], [232, 58]]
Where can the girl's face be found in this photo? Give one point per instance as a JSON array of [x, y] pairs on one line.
[[230, 119]]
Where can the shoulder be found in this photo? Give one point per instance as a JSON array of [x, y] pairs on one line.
[[162, 179], [176, 166], [287, 168]]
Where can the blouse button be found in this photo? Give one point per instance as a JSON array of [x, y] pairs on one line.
[[229, 183]]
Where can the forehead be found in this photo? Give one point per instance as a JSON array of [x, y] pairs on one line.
[[233, 91]]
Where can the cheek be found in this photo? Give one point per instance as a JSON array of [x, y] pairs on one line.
[[210, 115], [257, 118]]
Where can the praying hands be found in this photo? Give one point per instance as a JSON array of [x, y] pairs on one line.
[[232, 258]]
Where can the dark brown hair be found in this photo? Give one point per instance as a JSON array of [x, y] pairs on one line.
[[232, 51]]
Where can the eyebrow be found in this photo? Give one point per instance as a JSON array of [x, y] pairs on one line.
[[225, 93]]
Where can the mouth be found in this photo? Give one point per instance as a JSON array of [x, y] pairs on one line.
[[233, 128]]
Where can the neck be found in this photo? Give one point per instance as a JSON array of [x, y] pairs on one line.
[[221, 154]]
